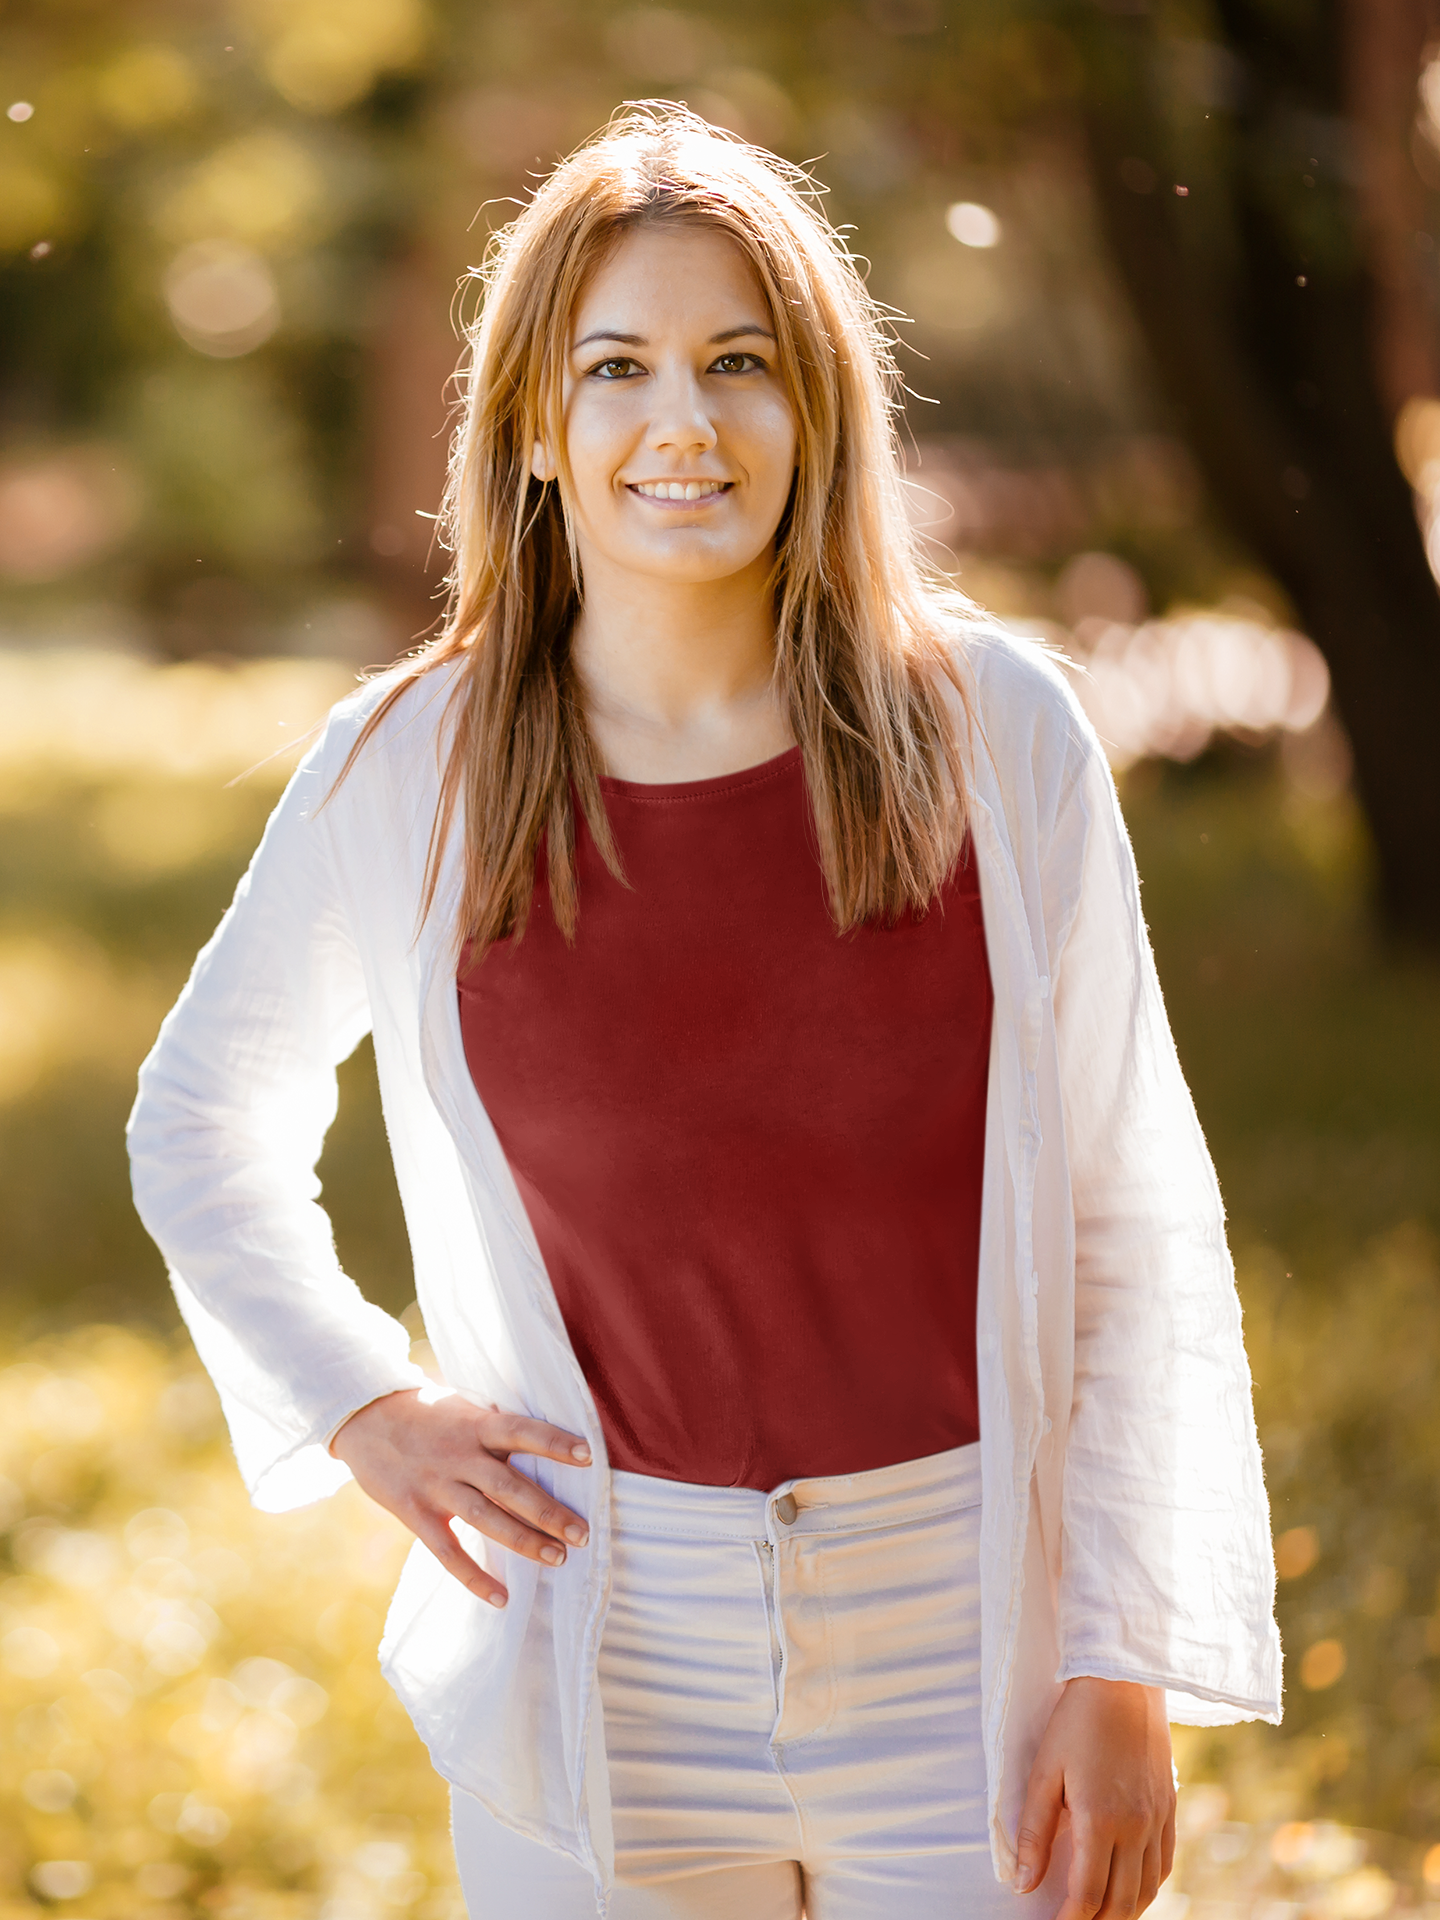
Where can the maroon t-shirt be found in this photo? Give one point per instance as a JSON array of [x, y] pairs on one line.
[[751, 1148]]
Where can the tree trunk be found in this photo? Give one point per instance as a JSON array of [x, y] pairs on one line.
[[1260, 307]]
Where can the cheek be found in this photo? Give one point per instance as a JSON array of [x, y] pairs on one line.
[[770, 431], [597, 439]]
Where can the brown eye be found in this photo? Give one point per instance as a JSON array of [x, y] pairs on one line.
[[739, 363], [613, 369]]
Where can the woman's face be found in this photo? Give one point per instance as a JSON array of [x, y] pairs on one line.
[[678, 427]]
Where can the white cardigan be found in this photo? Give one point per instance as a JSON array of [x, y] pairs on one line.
[[1125, 1526]]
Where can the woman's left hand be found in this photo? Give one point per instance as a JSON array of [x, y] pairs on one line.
[[1105, 1761]]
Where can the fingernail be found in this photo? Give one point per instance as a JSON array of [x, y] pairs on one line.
[[581, 1453], [576, 1535], [497, 1599], [1024, 1880], [553, 1554]]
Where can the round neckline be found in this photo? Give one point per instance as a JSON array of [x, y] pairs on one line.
[[700, 789]]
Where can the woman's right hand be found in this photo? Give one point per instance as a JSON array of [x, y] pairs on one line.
[[429, 1462]]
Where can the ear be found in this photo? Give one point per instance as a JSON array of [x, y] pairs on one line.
[[541, 464]]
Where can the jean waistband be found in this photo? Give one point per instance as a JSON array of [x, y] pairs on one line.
[[837, 1503]]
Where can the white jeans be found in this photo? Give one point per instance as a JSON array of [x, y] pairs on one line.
[[791, 1688]]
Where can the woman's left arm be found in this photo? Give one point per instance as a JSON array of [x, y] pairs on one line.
[[1166, 1586]]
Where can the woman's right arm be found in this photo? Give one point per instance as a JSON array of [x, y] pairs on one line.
[[235, 1100], [234, 1103]]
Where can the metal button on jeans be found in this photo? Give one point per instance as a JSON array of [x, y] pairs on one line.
[[786, 1508]]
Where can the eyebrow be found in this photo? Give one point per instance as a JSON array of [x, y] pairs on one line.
[[639, 340]]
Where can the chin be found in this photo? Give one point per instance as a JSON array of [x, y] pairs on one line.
[[695, 574], [693, 567]]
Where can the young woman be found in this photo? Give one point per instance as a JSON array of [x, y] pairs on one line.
[[847, 1464]]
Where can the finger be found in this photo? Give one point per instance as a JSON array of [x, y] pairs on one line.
[[1089, 1878], [1167, 1843], [497, 1523], [436, 1534], [1122, 1894], [1150, 1878], [520, 1496], [506, 1433], [1044, 1797]]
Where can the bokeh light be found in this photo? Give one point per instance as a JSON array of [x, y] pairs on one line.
[[148, 86], [973, 225], [1168, 686], [1296, 1551], [61, 509], [222, 298], [1322, 1664], [264, 190], [323, 54]]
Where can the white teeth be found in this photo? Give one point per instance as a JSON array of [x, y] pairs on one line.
[[680, 489]]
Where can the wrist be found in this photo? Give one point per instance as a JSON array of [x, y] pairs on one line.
[[347, 1428], [1105, 1688]]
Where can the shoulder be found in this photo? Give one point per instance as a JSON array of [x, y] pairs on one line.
[[1023, 687], [1025, 717], [390, 727]]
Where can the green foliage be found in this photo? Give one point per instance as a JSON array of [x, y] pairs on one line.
[[226, 463]]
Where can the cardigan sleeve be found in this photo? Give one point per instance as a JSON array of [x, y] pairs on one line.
[[234, 1103], [1167, 1575]]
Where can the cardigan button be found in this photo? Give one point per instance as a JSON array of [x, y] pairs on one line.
[[787, 1509]]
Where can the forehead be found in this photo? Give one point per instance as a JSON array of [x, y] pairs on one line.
[[670, 274]]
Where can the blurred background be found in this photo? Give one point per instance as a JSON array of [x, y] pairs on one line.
[[1167, 296]]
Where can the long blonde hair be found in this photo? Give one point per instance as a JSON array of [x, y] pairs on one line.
[[861, 640]]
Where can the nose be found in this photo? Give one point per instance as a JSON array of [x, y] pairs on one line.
[[681, 421]]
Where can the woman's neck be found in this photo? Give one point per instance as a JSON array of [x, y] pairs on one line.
[[678, 677]]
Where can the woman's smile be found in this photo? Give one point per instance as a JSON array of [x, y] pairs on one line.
[[680, 493]]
